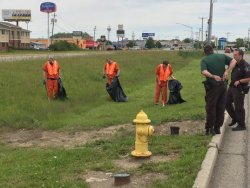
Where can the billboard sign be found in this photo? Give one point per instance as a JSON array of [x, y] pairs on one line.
[[120, 27], [103, 38], [120, 33], [48, 7], [146, 35], [16, 15], [77, 33]]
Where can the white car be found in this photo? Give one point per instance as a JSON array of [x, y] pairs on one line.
[[242, 48]]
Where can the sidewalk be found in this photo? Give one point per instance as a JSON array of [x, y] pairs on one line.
[[231, 167]]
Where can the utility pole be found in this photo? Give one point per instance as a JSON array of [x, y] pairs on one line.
[[248, 45], [94, 32], [53, 21], [108, 29], [202, 18], [133, 36], [210, 21], [228, 36]]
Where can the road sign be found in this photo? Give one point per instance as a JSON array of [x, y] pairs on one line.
[[145, 35]]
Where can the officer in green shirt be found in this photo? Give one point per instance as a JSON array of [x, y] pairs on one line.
[[213, 67]]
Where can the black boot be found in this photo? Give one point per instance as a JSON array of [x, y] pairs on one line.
[[233, 122], [210, 131], [239, 128], [217, 130]]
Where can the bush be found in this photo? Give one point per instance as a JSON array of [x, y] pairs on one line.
[[63, 46]]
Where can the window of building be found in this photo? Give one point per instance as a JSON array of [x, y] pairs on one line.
[[12, 32], [3, 44], [3, 32]]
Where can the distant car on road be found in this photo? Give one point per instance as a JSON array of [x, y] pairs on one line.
[[135, 48], [242, 48], [110, 47]]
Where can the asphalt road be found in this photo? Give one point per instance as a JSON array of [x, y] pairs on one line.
[[20, 57]]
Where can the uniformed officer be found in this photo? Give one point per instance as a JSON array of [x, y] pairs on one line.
[[238, 87], [213, 68]]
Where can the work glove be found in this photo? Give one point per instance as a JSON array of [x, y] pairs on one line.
[[44, 82], [104, 76]]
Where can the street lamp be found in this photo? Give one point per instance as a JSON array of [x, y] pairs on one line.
[[94, 32], [248, 45], [108, 29], [192, 33], [210, 20], [202, 18]]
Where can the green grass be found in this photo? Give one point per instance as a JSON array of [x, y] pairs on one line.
[[58, 167], [24, 103]]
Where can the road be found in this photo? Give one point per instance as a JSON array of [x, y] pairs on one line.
[[20, 57]]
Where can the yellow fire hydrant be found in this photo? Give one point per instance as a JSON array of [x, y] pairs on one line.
[[143, 131]]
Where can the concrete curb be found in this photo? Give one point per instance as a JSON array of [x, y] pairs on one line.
[[204, 175]]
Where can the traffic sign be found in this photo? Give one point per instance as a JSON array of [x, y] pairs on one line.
[[145, 35]]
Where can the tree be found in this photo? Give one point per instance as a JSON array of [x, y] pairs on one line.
[[63, 46], [63, 35], [187, 40], [150, 43], [130, 44], [158, 44], [239, 42]]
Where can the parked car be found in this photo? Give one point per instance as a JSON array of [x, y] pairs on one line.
[[242, 48], [135, 48], [110, 47]]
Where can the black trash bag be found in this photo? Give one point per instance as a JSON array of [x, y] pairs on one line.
[[116, 92], [175, 87], [62, 95]]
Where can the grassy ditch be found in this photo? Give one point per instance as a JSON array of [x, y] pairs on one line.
[[24, 103], [58, 167]]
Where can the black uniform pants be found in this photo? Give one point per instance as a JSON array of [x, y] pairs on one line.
[[215, 106], [236, 112]]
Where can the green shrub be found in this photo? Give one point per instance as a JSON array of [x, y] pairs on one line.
[[63, 46]]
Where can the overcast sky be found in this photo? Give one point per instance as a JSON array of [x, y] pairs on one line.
[[231, 17]]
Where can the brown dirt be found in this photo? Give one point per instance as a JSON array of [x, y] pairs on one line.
[[97, 179], [69, 139]]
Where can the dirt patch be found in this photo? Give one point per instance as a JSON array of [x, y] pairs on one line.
[[186, 127], [132, 162], [106, 180], [69, 139]]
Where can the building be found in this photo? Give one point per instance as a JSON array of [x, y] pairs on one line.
[[12, 36]]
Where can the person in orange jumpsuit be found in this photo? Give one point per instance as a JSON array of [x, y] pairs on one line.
[[163, 72], [110, 70], [51, 76]]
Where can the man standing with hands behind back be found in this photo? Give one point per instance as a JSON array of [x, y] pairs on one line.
[[238, 87], [213, 68]]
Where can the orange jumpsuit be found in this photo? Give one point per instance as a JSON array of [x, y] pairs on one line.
[[163, 75], [111, 70], [52, 71]]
